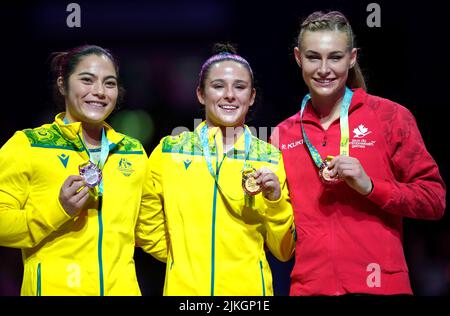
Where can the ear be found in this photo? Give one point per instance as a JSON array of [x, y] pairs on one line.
[[200, 96], [60, 84], [297, 55], [353, 57], [252, 97]]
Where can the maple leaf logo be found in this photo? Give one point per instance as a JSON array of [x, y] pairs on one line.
[[361, 131]]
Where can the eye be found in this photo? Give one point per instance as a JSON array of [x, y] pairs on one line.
[[241, 86], [217, 86], [312, 57], [86, 79], [336, 58], [111, 84]]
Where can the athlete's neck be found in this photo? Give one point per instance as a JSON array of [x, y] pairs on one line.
[[92, 135], [327, 108]]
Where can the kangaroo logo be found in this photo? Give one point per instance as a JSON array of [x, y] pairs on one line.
[[125, 167]]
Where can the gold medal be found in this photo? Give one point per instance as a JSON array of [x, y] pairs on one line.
[[324, 172], [249, 182]]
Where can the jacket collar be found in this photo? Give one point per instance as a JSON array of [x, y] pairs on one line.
[[73, 132], [359, 95], [215, 134]]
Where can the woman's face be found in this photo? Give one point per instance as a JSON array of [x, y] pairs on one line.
[[92, 90], [227, 94], [325, 61]]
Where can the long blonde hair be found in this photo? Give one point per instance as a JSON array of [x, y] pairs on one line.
[[334, 21]]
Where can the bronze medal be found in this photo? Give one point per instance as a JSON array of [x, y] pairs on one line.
[[249, 182], [324, 172]]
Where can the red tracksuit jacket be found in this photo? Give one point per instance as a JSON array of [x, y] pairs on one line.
[[348, 243]]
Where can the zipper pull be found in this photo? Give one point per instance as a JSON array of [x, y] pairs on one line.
[[324, 141]]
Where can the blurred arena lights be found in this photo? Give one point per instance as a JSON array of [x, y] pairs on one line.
[[135, 123]]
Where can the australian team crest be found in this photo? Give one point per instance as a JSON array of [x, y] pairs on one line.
[[125, 167]]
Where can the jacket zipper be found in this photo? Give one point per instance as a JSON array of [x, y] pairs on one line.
[[100, 233], [213, 238], [38, 283], [262, 278], [100, 238]]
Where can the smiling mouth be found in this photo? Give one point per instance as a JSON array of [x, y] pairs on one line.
[[228, 107], [324, 81], [97, 103]]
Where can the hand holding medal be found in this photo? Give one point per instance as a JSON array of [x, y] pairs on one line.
[[348, 169], [73, 194], [249, 182], [262, 180], [325, 172]]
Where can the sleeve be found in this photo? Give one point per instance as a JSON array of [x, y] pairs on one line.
[[23, 225], [279, 221], [417, 189], [151, 232]]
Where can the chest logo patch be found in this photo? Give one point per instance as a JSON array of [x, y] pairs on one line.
[[361, 131], [64, 159], [187, 163], [359, 140], [125, 167]]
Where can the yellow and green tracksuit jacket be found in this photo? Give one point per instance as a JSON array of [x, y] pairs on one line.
[[89, 254], [216, 243]]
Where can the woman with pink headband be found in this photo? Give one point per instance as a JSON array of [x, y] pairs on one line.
[[221, 193]]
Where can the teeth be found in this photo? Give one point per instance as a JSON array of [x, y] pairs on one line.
[[228, 107], [95, 103]]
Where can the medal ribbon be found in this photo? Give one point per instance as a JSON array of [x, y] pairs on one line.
[[344, 144], [104, 152], [207, 152]]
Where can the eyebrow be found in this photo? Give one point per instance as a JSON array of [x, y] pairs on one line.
[[235, 81], [92, 75], [333, 52], [241, 81]]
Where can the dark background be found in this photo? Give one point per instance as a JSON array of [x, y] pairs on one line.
[[161, 46]]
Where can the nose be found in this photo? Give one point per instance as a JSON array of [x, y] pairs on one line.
[[324, 69], [99, 89], [229, 93]]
